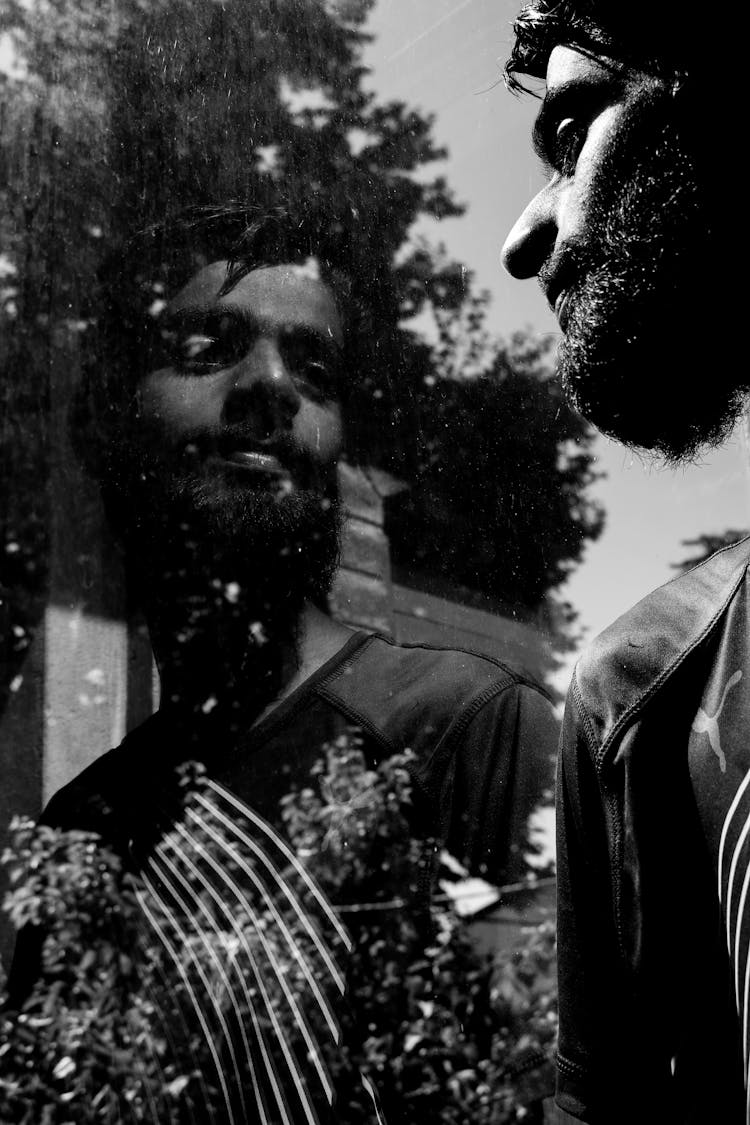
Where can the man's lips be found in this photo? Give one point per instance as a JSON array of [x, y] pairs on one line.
[[245, 459], [558, 291], [241, 453], [254, 460], [560, 279], [562, 302]]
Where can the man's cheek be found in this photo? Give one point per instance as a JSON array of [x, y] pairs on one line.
[[328, 436], [171, 406]]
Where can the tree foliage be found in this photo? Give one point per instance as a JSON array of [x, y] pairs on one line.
[[117, 115], [703, 546], [501, 468], [445, 1034]]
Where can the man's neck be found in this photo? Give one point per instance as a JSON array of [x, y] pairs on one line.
[[319, 638], [217, 672]]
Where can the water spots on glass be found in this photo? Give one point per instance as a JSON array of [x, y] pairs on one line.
[[65, 1068], [267, 157], [258, 633], [10, 308], [7, 267], [310, 269]]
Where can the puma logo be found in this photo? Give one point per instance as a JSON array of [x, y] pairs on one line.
[[703, 723]]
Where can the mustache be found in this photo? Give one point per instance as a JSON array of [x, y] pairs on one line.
[[199, 445], [565, 268]]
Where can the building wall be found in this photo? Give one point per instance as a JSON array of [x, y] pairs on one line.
[[423, 618], [365, 594]]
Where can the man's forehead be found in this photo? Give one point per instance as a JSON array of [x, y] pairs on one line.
[[288, 293]]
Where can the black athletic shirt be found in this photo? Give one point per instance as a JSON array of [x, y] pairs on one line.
[[482, 734], [653, 854]]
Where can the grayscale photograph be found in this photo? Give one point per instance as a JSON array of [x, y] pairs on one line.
[[374, 541]]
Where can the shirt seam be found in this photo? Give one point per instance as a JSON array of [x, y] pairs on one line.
[[257, 737], [639, 704], [470, 712], [514, 676], [355, 716], [577, 1070], [612, 809]]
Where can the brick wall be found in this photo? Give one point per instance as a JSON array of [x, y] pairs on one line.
[[366, 596]]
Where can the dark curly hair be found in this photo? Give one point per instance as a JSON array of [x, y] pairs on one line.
[[658, 37]]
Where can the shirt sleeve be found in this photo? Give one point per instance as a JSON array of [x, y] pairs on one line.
[[504, 769]]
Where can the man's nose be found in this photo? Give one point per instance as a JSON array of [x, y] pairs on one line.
[[532, 239], [263, 390]]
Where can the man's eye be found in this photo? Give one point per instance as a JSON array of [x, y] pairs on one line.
[[196, 344], [566, 145], [314, 367], [199, 351], [317, 378]]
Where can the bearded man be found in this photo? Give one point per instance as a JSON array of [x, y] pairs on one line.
[[214, 417], [630, 239]]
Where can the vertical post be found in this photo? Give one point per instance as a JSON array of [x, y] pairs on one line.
[[88, 674]]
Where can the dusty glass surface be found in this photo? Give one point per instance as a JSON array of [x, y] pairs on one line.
[[124, 117], [131, 134]]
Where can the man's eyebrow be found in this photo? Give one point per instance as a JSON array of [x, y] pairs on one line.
[[312, 337], [186, 316], [195, 316]]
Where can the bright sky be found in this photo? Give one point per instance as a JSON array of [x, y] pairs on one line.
[[445, 57]]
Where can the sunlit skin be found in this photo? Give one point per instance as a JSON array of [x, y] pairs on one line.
[[625, 239], [587, 104], [253, 375]]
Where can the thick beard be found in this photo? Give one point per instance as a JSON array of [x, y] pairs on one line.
[[229, 525], [283, 542], [642, 355], [226, 563]]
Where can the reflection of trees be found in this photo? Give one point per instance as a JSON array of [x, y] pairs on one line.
[[446, 1034], [118, 115], [500, 472], [703, 546]]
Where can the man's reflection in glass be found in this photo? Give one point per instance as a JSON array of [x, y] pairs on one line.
[[214, 419]]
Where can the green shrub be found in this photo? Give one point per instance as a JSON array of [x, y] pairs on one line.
[[445, 1034]]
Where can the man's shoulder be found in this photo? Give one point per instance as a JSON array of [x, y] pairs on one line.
[[114, 780], [394, 667], [397, 687], [628, 664]]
